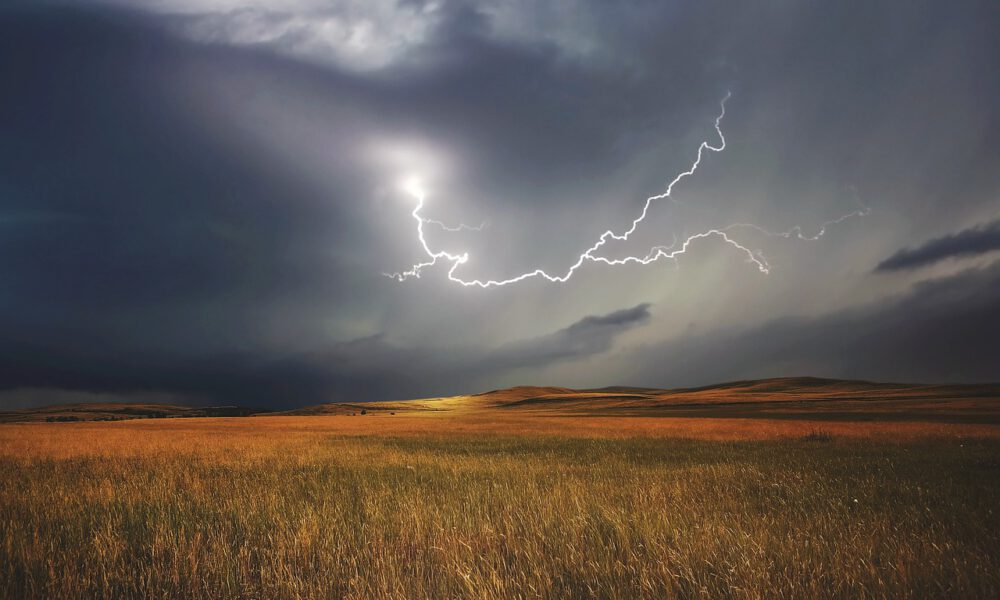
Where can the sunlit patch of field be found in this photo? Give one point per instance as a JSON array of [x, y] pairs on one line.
[[780, 398], [490, 505]]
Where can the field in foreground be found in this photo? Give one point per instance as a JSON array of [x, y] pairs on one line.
[[436, 507]]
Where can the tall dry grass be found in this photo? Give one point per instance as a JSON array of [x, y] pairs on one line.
[[127, 512]]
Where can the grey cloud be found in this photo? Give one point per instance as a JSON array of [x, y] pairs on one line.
[[375, 36], [366, 369], [588, 336], [942, 330], [198, 218], [356, 36], [968, 242]]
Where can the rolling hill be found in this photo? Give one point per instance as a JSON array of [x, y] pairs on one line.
[[797, 397], [119, 411], [772, 398]]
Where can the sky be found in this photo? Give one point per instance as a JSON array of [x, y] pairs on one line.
[[201, 200]]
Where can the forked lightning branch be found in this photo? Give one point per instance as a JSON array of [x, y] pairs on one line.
[[591, 254]]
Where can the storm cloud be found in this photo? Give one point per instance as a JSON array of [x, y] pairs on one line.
[[968, 242], [198, 199], [372, 368], [590, 335], [918, 336]]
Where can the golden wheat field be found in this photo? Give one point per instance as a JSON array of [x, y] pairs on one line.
[[498, 507]]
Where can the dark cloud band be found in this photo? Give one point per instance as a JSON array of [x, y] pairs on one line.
[[969, 242]]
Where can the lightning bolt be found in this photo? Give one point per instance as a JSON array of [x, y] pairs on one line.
[[797, 232], [656, 253], [459, 227]]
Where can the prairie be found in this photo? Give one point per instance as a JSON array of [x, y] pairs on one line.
[[499, 504]]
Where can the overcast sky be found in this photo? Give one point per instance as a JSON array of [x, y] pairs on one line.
[[199, 199]]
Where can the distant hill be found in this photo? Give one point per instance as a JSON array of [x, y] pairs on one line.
[[115, 411], [789, 397]]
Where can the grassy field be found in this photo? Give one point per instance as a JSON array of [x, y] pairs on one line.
[[435, 507]]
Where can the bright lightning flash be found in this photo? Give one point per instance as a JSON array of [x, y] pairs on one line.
[[671, 252]]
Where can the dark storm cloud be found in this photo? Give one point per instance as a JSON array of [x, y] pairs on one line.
[[368, 368], [969, 242], [132, 218], [183, 208], [141, 249], [588, 336], [942, 330]]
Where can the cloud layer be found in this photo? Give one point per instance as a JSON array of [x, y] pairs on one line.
[[918, 336], [198, 198], [968, 242]]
